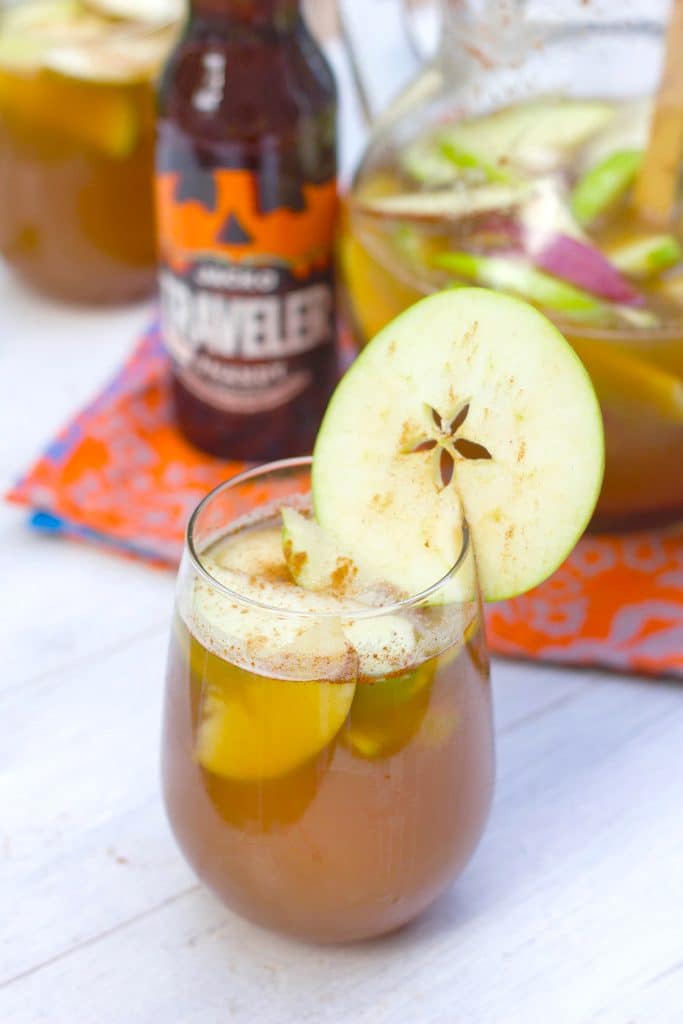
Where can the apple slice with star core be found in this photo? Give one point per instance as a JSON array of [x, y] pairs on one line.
[[470, 406]]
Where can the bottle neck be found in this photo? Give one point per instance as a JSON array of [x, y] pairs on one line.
[[249, 13]]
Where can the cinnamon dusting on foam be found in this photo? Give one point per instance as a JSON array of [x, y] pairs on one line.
[[327, 639]]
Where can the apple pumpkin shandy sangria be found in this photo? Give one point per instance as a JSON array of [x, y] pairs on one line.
[[303, 736], [76, 138], [537, 199], [328, 753]]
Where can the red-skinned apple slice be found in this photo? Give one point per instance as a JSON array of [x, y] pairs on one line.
[[469, 405], [586, 267]]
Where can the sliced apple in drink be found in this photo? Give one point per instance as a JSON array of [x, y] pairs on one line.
[[529, 136], [470, 406], [254, 727], [583, 265], [646, 257], [447, 204], [604, 183], [243, 618], [44, 18], [382, 643], [313, 558], [536, 135], [441, 161], [139, 10], [517, 275], [386, 714], [252, 724]]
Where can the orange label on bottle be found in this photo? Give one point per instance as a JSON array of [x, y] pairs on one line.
[[246, 285]]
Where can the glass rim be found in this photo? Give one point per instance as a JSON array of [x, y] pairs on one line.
[[344, 611]]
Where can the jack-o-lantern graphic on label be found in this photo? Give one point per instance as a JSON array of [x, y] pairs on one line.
[[247, 291]]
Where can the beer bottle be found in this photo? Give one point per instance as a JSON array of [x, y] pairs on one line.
[[246, 202]]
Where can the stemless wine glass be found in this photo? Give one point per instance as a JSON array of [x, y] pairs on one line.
[[327, 761], [77, 123]]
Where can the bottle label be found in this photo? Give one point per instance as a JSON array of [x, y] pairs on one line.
[[247, 287]]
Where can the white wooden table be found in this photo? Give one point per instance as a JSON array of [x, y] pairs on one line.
[[570, 913]]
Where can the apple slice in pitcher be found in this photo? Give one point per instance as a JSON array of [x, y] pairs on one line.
[[470, 406]]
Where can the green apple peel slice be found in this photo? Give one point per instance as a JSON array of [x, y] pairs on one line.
[[498, 389], [603, 184], [530, 136], [646, 257], [466, 161], [516, 275], [535, 136]]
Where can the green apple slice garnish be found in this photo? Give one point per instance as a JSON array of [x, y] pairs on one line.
[[469, 406]]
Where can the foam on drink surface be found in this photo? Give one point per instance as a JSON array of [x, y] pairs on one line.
[[274, 627]]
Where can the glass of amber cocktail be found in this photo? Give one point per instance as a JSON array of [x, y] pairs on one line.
[[327, 755], [77, 121]]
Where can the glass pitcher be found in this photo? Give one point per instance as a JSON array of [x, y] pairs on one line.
[[512, 162]]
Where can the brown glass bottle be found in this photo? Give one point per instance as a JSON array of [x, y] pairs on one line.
[[246, 200]]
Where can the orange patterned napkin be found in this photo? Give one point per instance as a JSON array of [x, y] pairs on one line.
[[121, 475]]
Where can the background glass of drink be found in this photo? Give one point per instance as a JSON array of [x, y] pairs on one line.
[[321, 774], [509, 56], [76, 143]]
